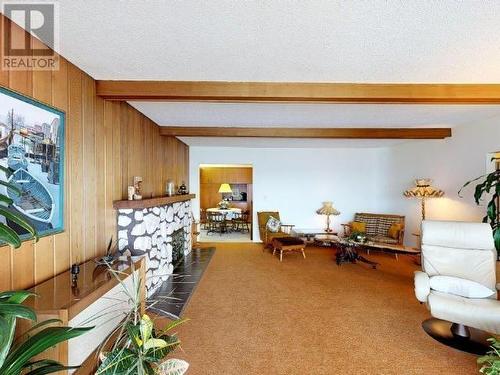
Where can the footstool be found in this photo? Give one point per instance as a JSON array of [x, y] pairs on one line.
[[288, 244]]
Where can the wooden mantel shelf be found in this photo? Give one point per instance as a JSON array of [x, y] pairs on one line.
[[151, 202]]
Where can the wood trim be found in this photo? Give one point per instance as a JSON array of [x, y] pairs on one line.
[[152, 202], [337, 133], [300, 92]]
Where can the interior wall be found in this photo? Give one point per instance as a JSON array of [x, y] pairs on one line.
[[450, 163], [296, 181], [107, 143]]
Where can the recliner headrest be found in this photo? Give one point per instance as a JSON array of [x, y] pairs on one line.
[[457, 234]]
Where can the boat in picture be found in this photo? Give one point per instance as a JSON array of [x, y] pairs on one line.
[[16, 158], [35, 201]]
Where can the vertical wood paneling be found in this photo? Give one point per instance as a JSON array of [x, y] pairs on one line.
[[74, 154], [89, 167], [106, 144], [60, 87]]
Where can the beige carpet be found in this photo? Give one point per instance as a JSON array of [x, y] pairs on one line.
[[252, 314]]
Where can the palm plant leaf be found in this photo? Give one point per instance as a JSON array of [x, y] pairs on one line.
[[10, 186], [36, 344], [9, 236], [19, 220], [6, 170], [18, 311], [16, 296], [46, 366]]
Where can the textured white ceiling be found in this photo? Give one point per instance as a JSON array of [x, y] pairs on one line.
[[313, 115], [279, 40]]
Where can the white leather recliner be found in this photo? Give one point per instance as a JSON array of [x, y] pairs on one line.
[[458, 283]]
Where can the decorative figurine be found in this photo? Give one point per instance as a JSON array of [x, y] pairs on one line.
[[137, 188], [131, 192], [75, 270], [182, 189]]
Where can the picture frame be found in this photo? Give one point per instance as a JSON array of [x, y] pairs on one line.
[[32, 147]]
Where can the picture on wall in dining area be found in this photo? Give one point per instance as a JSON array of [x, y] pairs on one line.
[[32, 148]]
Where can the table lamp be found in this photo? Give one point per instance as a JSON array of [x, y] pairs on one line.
[[422, 191], [224, 189], [328, 210]]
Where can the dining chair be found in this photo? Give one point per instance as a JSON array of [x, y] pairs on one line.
[[241, 222], [216, 223]]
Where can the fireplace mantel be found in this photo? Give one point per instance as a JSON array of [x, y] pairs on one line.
[[151, 202]]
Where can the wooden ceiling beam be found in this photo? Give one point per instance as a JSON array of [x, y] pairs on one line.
[[333, 133], [300, 92]]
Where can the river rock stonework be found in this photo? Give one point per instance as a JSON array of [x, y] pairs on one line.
[[149, 232]]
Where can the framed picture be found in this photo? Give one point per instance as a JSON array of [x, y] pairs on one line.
[[32, 148]]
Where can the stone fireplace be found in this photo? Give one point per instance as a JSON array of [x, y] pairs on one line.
[[162, 233]]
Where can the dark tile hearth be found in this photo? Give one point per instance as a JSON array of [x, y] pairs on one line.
[[173, 295]]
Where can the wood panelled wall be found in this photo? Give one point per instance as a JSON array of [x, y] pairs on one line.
[[107, 143]]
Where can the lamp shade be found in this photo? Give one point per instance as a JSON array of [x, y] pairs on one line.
[[225, 188], [327, 209], [423, 189]]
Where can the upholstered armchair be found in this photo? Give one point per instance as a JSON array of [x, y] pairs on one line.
[[267, 236], [458, 283]]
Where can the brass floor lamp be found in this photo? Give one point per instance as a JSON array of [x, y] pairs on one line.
[[423, 190]]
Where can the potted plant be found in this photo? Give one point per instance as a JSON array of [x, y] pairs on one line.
[[489, 186], [20, 357], [490, 363], [139, 348]]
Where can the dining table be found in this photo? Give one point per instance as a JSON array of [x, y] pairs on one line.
[[229, 213]]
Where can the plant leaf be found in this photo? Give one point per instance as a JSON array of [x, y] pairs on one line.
[[16, 310], [16, 296], [154, 343], [8, 172], [46, 366], [118, 362], [19, 220], [36, 344], [173, 366], [9, 236], [12, 187]]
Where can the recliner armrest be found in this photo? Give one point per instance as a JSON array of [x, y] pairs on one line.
[[422, 286]]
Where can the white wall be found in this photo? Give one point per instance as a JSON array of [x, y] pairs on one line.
[[450, 163], [296, 181]]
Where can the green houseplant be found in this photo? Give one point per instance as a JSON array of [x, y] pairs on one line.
[[489, 186], [490, 363], [7, 234], [139, 348], [17, 357]]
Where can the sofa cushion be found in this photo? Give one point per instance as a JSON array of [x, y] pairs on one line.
[[358, 226], [394, 230], [385, 223], [460, 287], [273, 224]]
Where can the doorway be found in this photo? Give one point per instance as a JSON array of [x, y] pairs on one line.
[[226, 203]]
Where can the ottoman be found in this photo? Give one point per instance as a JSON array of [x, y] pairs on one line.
[[288, 244]]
